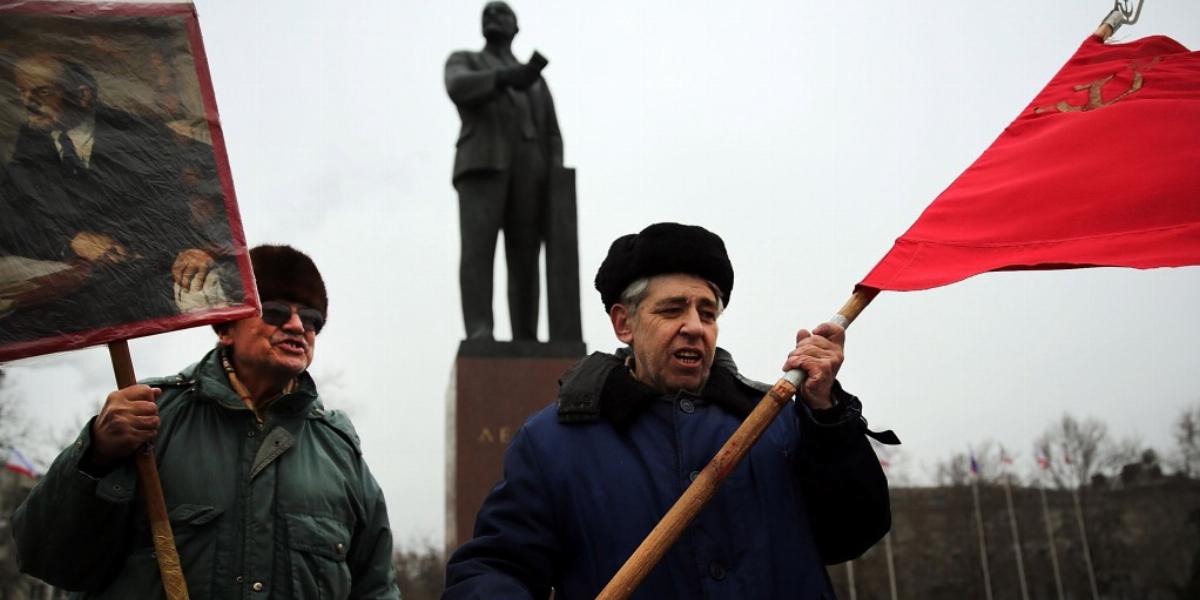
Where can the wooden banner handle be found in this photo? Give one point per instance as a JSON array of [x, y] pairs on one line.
[[668, 530], [156, 506]]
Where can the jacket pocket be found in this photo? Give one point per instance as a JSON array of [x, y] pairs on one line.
[[193, 515], [195, 542], [318, 555]]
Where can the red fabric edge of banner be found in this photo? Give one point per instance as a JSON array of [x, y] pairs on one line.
[[220, 152], [1138, 250], [123, 331], [91, 9]]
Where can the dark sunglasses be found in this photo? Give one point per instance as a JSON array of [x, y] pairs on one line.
[[279, 313]]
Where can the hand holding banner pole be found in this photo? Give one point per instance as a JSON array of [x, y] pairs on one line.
[[668, 530], [156, 506]]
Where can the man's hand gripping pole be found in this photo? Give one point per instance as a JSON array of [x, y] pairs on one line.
[[156, 507]]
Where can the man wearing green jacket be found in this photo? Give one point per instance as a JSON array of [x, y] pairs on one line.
[[267, 492]]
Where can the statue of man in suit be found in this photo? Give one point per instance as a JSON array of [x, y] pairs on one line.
[[507, 147]]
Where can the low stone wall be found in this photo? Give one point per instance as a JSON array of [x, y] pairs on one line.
[[1144, 542]]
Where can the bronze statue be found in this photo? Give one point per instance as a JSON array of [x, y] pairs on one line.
[[507, 168]]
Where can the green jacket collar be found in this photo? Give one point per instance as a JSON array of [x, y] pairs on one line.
[[212, 383]]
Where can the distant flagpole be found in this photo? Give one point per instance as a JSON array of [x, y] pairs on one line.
[[1087, 552], [850, 579], [1012, 521], [887, 546], [983, 558], [887, 543], [1044, 463]]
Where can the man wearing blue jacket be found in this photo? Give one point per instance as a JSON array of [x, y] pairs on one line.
[[586, 479]]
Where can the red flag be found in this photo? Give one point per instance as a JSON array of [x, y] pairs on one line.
[[1101, 169]]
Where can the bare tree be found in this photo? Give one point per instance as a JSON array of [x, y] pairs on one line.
[[40, 444], [420, 570], [954, 471], [13, 424], [990, 466], [895, 463], [46, 444], [14, 431], [1076, 450], [1186, 457], [1126, 451]]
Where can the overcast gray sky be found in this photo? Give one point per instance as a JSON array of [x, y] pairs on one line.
[[808, 135]]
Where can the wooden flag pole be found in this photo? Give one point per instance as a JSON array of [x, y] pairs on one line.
[[668, 530], [156, 505]]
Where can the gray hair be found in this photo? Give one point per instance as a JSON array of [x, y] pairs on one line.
[[635, 292]]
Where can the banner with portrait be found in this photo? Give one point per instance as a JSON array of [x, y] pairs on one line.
[[117, 211]]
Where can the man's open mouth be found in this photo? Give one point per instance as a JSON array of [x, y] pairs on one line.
[[292, 345], [689, 357]]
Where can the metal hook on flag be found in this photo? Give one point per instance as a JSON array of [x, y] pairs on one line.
[[1121, 14]]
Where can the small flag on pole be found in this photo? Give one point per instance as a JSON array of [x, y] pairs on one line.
[[1043, 461], [974, 465], [19, 463]]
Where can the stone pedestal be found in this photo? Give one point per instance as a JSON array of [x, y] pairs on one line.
[[495, 387]]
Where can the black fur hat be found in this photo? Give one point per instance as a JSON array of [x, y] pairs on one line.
[[664, 248], [285, 273]]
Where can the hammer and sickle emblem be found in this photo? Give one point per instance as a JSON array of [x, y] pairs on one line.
[[1095, 95]]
